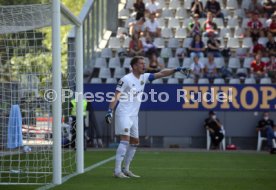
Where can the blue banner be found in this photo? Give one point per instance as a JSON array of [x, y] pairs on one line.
[[192, 97]]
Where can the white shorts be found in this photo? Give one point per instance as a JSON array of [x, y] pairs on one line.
[[127, 125]]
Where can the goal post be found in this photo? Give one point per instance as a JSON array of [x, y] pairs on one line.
[[43, 157]]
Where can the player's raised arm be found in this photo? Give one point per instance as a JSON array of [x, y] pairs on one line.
[[168, 72]]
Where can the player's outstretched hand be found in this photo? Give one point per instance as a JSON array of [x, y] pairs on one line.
[[108, 116], [184, 71]]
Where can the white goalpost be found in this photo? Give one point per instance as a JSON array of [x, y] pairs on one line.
[[36, 139]]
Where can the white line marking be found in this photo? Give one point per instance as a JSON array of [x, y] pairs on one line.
[[66, 178]]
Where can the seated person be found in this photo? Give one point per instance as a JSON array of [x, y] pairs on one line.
[[213, 125], [210, 27], [214, 7], [258, 67], [197, 8], [213, 46], [136, 46], [149, 47], [266, 127], [269, 7], [194, 26], [152, 27], [254, 6], [154, 66], [139, 8], [271, 45], [272, 25], [153, 7], [197, 68], [271, 69], [197, 47], [257, 48], [255, 27], [138, 27], [210, 68]]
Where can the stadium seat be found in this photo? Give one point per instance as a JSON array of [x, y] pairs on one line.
[[181, 13], [187, 62], [173, 23], [181, 33], [239, 32], [222, 144], [174, 4], [224, 33], [100, 62], [126, 63], [179, 75], [241, 52], [250, 81], [245, 4], [166, 33], [119, 73], [166, 53], [173, 81], [239, 13], [96, 81], [161, 22], [189, 81], [186, 22], [242, 72], [203, 81], [173, 43], [232, 4], [157, 81], [124, 14], [234, 63], [247, 62], [106, 53], [167, 13], [219, 61], [111, 81], [129, 4], [126, 42], [234, 81], [187, 42], [260, 141], [265, 81], [120, 31], [247, 42], [263, 40], [114, 62], [104, 73], [233, 43], [219, 22], [159, 42], [114, 43], [173, 62], [245, 22], [233, 22], [219, 81]]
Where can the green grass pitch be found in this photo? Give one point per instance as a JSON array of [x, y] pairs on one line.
[[173, 170]]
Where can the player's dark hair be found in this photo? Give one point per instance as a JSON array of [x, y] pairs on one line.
[[135, 60]]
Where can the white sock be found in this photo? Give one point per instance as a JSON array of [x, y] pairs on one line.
[[129, 155], [120, 155]]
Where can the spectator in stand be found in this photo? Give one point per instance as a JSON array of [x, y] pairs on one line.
[[139, 8], [138, 27], [258, 67], [149, 47], [197, 47], [257, 48], [197, 68], [152, 27], [194, 26], [210, 68], [154, 66], [214, 7], [210, 27], [213, 46], [271, 68], [272, 25], [153, 7], [268, 7], [255, 27], [197, 8], [271, 45], [254, 6], [215, 128], [136, 46], [267, 128]]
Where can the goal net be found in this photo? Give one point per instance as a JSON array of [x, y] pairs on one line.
[[26, 95]]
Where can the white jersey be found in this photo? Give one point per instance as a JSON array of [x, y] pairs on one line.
[[131, 89]]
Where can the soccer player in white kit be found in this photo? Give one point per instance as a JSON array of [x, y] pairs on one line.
[[128, 91]]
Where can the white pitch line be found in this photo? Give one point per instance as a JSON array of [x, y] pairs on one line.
[[66, 178]]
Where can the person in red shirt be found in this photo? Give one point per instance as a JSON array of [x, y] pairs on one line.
[[258, 67], [272, 26], [209, 26], [255, 27], [257, 48]]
